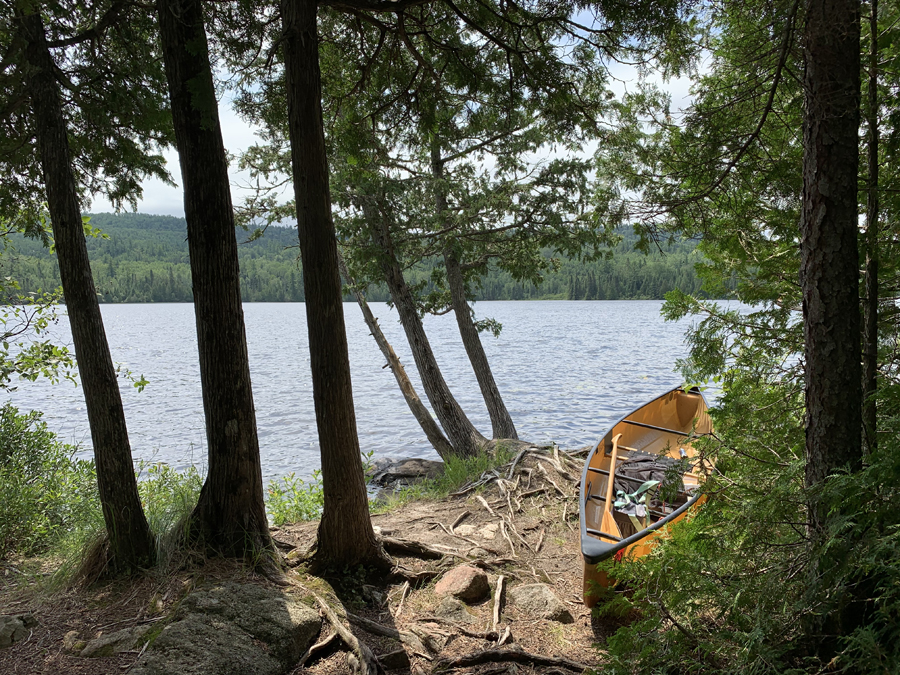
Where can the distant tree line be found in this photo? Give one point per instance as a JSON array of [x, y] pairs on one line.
[[145, 259]]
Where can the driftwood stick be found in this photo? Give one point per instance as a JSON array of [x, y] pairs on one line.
[[367, 663], [320, 648], [516, 532], [461, 517], [504, 655], [498, 600], [506, 536], [403, 594], [540, 543], [485, 505], [531, 493]]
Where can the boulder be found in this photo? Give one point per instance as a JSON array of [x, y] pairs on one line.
[[464, 582], [113, 643], [453, 610], [15, 627], [395, 473], [538, 601], [232, 629]]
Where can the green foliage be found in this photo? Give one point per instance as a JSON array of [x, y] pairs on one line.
[[292, 499], [167, 495], [46, 494], [25, 317], [729, 591]]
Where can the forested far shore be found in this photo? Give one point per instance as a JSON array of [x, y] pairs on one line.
[[144, 258]]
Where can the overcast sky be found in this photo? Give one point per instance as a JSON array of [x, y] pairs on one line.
[[162, 199]]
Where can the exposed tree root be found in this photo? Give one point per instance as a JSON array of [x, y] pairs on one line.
[[504, 655], [320, 650], [413, 548], [365, 661]]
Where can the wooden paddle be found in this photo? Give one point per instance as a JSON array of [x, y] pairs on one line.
[[608, 522]]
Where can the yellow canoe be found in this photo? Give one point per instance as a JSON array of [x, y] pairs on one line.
[[652, 442]]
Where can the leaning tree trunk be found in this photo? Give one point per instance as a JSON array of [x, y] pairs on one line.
[[130, 539], [420, 412], [466, 440], [345, 531], [870, 309], [501, 422], [230, 515]]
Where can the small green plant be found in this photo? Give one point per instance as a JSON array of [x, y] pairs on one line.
[[292, 499]]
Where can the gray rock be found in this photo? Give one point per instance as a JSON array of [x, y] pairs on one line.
[[465, 582], [395, 660], [14, 628], [394, 473], [232, 629], [454, 610], [538, 601], [114, 643]]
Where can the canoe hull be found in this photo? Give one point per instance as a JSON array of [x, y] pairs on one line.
[[663, 427]]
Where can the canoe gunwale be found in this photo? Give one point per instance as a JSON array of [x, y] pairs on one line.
[[594, 550]]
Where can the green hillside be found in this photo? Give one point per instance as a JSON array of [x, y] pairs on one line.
[[145, 259]]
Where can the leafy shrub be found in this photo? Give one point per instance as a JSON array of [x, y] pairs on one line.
[[46, 494], [292, 499]]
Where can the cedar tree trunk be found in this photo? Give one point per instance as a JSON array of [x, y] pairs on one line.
[[829, 263], [345, 531], [466, 440], [420, 412], [230, 515], [131, 543], [501, 423], [870, 327]]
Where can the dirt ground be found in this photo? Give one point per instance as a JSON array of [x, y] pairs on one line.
[[520, 522]]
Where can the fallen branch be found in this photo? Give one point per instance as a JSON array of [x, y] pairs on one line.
[[506, 536], [531, 493], [540, 543], [366, 661], [461, 517], [518, 458], [480, 635], [485, 505], [402, 598], [498, 599], [505, 655]]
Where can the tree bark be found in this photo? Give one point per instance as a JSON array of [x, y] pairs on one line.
[[432, 431], [131, 542], [829, 278], [230, 515], [870, 308], [466, 440], [501, 422], [829, 263], [345, 532]]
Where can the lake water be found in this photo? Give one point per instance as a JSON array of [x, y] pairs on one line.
[[567, 370]]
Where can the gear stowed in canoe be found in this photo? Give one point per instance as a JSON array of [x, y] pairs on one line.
[[656, 475]]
